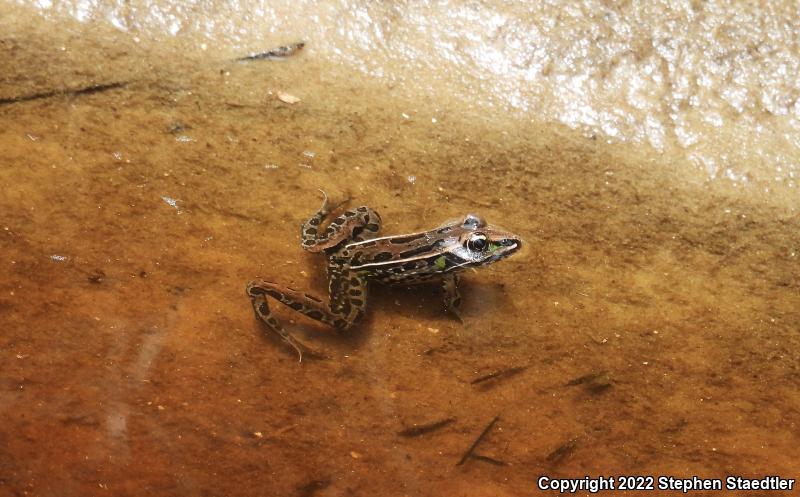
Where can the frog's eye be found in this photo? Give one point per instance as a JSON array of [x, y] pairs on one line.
[[477, 242]]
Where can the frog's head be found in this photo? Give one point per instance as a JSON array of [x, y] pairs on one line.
[[480, 244]]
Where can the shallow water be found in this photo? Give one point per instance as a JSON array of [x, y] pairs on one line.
[[685, 78], [650, 326]]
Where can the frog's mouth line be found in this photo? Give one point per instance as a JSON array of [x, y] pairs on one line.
[[502, 250]]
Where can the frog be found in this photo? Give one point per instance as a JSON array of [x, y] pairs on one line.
[[357, 256]]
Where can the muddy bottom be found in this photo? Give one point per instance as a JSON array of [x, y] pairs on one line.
[[649, 327]]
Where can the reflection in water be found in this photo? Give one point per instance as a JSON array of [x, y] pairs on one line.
[[651, 327], [683, 77]]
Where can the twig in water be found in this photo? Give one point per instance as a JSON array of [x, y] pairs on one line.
[[562, 451], [275, 53], [502, 373], [86, 90], [595, 382], [490, 460], [416, 431], [471, 449]]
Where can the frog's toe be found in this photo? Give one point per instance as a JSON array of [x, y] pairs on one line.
[[316, 355], [456, 313]]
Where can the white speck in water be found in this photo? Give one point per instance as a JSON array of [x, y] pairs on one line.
[[270, 166], [184, 138], [412, 179], [58, 258], [32, 137], [309, 154], [118, 23], [172, 202], [433, 120], [405, 116], [288, 98], [118, 155]]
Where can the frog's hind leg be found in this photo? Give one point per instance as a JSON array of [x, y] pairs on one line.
[[348, 292], [360, 224], [259, 290]]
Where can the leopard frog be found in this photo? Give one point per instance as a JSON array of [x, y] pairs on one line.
[[357, 256]]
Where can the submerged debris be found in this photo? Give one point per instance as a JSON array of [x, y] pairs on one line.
[[287, 98], [501, 373], [276, 53], [70, 92], [312, 487], [562, 451], [490, 460], [172, 202], [477, 441], [96, 277], [595, 382], [177, 127], [418, 430]]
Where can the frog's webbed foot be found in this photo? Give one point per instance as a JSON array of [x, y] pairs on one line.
[[452, 297]]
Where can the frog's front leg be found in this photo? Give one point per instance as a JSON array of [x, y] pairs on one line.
[[360, 224], [452, 298]]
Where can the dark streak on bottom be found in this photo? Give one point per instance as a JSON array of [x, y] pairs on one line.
[[562, 451], [503, 373], [477, 441], [312, 487], [490, 460], [87, 90], [275, 53], [426, 428]]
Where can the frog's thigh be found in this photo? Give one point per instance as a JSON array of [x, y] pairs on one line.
[[349, 300], [452, 297], [299, 301]]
